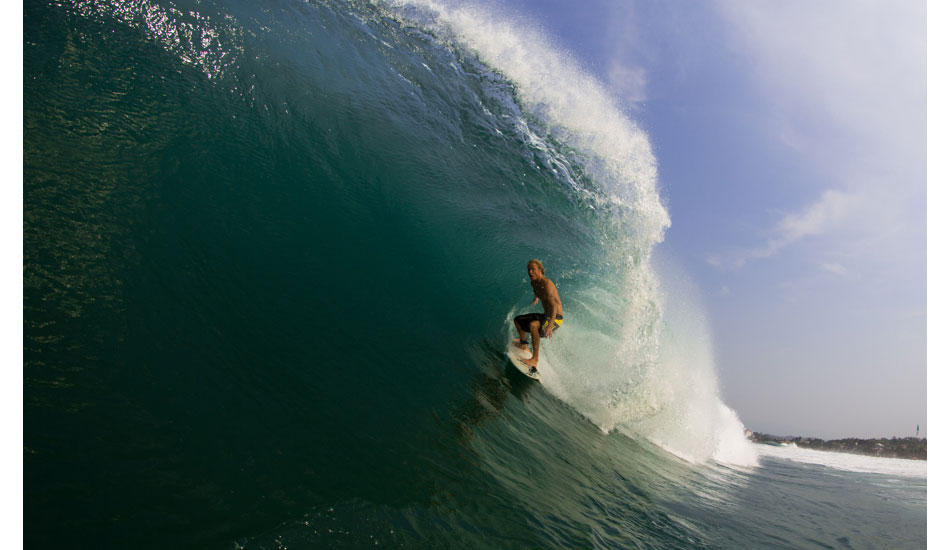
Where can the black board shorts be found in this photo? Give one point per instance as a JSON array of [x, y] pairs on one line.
[[524, 321]]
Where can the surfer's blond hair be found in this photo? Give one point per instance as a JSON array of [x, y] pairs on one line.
[[537, 263]]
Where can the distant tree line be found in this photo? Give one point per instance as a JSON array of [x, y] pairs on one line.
[[904, 447]]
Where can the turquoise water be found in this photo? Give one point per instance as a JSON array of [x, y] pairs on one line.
[[271, 256]]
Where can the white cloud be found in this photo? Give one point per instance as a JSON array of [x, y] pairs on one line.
[[835, 268], [625, 54], [833, 207]]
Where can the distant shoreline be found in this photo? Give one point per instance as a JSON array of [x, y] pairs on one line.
[[911, 448]]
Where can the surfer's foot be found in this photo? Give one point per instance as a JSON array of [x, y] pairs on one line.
[[522, 343], [532, 369]]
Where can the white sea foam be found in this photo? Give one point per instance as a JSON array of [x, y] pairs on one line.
[[690, 418], [654, 377], [849, 462]]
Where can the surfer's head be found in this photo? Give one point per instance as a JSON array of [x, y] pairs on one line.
[[535, 269]]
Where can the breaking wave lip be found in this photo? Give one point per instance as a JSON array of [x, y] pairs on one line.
[[576, 109]]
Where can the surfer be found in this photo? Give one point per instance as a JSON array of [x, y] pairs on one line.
[[540, 325]]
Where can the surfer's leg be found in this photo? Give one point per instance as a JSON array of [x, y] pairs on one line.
[[522, 343], [535, 344], [519, 321]]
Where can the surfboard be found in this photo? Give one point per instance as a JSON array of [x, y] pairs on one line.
[[515, 353]]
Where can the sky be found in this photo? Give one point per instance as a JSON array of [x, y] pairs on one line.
[[791, 139]]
